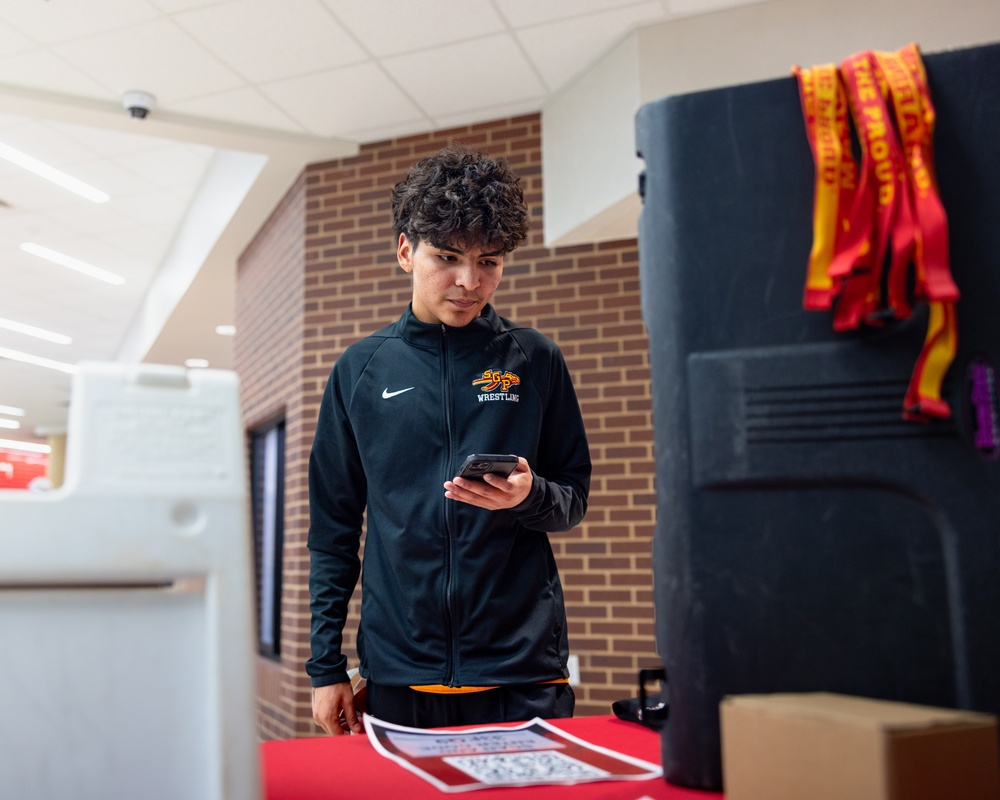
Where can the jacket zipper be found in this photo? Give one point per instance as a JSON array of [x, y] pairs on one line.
[[448, 508]]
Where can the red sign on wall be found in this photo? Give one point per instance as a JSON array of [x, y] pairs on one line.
[[18, 469]]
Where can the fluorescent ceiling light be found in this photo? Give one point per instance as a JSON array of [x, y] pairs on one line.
[[43, 170], [196, 363], [225, 330], [72, 263], [31, 330], [29, 447], [11, 424], [12, 411], [38, 361]]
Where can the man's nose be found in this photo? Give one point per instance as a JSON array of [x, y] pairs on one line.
[[468, 276]]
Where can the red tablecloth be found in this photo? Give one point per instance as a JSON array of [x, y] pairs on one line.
[[349, 768]]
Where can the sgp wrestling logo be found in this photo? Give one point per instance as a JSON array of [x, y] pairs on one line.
[[495, 385]]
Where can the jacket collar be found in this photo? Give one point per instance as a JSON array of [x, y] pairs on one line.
[[425, 334]]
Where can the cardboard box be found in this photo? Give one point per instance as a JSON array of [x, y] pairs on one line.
[[822, 746]]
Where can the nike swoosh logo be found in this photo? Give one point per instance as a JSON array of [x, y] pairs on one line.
[[386, 394]]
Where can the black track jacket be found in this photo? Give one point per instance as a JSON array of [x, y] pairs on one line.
[[451, 594]]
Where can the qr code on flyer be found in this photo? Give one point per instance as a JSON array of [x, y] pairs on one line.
[[535, 767]]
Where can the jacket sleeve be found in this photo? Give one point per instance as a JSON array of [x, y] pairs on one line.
[[337, 491], [558, 497]]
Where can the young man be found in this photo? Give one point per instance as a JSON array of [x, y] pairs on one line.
[[462, 618]]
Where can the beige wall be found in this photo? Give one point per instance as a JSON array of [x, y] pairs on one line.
[[591, 121]]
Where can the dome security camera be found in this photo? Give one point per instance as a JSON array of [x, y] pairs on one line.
[[138, 104]]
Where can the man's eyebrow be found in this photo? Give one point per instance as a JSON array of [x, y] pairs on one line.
[[461, 252]]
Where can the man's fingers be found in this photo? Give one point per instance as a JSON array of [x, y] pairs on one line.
[[351, 722], [331, 705], [332, 729]]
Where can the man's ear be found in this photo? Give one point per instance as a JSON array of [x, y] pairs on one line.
[[404, 253]]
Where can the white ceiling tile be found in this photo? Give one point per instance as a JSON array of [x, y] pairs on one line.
[[37, 347], [73, 319], [42, 69], [47, 143], [389, 27], [112, 178], [689, 7], [142, 240], [522, 13], [158, 209], [11, 41], [327, 104], [466, 75], [173, 6], [121, 61], [22, 280], [93, 251], [529, 105], [93, 218], [31, 387], [27, 192], [89, 249], [561, 50], [170, 165], [247, 106], [105, 142], [37, 276], [11, 120], [276, 40], [50, 22], [389, 131], [18, 226], [30, 309], [98, 311]]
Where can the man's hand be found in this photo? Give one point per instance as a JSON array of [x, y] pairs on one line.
[[333, 709], [493, 492]]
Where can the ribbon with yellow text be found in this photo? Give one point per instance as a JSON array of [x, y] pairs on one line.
[[879, 228]]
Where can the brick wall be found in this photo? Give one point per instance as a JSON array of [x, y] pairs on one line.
[[585, 297], [270, 302]]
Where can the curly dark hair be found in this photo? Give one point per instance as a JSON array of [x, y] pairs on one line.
[[459, 197]]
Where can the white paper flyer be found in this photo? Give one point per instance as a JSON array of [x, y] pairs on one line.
[[531, 753]]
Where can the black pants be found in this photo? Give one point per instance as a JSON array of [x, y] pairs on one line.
[[515, 703]]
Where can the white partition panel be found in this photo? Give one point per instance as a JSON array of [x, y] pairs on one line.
[[126, 611]]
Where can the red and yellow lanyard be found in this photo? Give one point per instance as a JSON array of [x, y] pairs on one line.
[[885, 209]]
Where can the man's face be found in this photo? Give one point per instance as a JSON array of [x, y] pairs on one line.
[[450, 284]]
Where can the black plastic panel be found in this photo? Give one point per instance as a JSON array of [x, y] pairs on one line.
[[808, 538]]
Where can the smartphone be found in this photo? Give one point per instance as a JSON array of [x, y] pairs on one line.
[[478, 464]]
